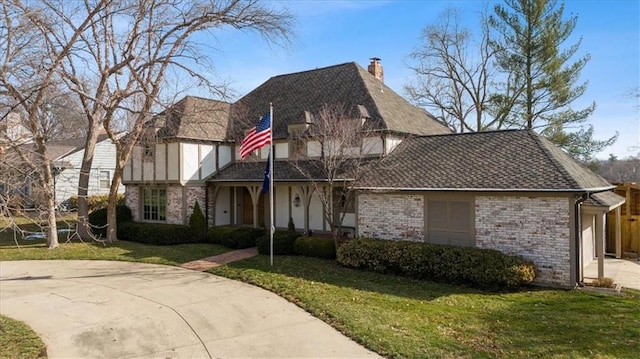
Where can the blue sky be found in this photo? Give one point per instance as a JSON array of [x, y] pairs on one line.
[[333, 32]]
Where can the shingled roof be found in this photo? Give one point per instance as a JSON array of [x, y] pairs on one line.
[[346, 84], [196, 118], [515, 160]]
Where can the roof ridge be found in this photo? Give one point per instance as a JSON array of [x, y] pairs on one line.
[[373, 99], [479, 133], [312, 70], [545, 150]]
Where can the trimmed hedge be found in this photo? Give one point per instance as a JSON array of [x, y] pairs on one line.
[[315, 247], [215, 234], [241, 237], [482, 268], [98, 219], [156, 233], [282, 243]]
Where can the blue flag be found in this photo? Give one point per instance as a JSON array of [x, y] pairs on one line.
[[267, 176]]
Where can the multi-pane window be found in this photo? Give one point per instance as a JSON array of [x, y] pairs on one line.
[[104, 179], [154, 204]]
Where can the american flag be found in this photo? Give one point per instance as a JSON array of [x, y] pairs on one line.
[[257, 137]]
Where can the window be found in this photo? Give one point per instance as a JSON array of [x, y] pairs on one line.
[[104, 179], [154, 204]]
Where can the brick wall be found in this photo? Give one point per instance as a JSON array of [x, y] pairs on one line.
[[192, 194], [536, 228], [391, 216], [176, 213], [132, 200]]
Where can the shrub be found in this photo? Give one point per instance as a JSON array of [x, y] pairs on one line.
[[198, 223], [604, 282], [215, 234], [98, 219], [94, 202], [282, 243], [156, 233], [241, 237], [482, 268], [315, 247]]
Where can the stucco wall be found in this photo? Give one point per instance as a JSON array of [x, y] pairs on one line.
[[391, 216], [536, 228]]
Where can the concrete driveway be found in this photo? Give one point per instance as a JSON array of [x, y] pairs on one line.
[[100, 309]]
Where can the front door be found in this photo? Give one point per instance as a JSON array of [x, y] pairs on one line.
[[247, 208]]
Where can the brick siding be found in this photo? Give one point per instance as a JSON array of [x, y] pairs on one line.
[[391, 216], [132, 200], [536, 228]]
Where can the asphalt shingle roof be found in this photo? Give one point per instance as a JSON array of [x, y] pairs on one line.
[[345, 84], [196, 118], [607, 199], [494, 161]]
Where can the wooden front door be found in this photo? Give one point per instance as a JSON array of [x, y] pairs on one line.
[[247, 208]]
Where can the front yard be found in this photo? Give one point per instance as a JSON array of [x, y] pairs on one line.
[[399, 317], [404, 318]]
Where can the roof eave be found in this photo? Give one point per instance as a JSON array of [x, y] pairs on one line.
[[453, 189]]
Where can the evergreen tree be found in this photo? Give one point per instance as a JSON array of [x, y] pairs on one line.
[[540, 76], [198, 223]]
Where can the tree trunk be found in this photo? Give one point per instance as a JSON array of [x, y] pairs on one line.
[[46, 181], [83, 183], [112, 220]]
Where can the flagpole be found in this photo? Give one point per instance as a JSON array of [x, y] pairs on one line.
[[271, 193]]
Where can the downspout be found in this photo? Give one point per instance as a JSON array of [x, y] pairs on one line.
[[578, 239]]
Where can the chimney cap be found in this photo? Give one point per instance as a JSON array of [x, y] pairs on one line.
[[375, 59]]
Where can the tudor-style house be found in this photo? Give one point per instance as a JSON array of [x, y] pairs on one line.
[[508, 190]]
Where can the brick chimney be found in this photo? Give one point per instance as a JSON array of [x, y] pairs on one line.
[[375, 68]]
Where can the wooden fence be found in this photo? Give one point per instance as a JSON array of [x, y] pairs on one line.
[[629, 220]]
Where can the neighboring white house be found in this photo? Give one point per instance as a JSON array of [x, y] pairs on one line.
[[508, 190], [67, 159]]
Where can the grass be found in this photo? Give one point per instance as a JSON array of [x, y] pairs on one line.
[[404, 318], [118, 251], [17, 340]]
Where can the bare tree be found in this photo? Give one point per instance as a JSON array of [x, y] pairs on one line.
[[332, 154], [28, 74], [453, 75], [120, 66]]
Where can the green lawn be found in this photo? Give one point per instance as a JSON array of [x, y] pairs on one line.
[[118, 251], [404, 318], [17, 340]]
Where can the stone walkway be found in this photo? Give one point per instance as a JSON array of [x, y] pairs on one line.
[[215, 261]]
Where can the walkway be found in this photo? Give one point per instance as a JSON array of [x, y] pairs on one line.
[[215, 261], [102, 309], [625, 272]]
